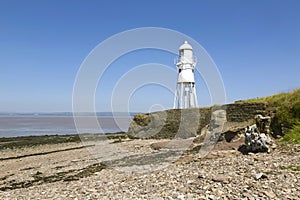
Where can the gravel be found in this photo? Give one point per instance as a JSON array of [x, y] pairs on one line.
[[83, 174]]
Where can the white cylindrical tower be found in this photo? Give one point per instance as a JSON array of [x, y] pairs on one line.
[[185, 95]]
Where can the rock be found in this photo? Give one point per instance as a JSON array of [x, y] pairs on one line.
[[269, 194], [221, 178], [181, 196], [249, 196], [257, 136], [263, 124], [212, 197], [185, 123], [260, 175]]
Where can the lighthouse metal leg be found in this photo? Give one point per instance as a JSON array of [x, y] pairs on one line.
[[175, 103], [195, 96], [185, 96], [181, 96]]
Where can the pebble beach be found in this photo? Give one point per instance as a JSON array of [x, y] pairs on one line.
[[75, 170]]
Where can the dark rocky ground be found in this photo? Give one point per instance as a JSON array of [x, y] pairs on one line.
[[31, 141]]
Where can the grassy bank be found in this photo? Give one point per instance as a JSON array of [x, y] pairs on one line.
[[287, 113]]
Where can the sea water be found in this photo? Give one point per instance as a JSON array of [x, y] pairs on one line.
[[13, 125]]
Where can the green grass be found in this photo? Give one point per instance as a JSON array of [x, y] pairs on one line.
[[287, 112], [290, 167], [293, 135]]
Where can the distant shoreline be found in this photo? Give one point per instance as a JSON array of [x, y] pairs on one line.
[[68, 114]]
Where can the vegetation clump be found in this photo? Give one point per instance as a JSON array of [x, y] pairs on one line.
[[142, 119], [287, 116], [290, 167]]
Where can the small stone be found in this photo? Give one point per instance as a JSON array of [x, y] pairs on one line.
[[181, 196], [201, 176], [269, 194], [257, 159], [211, 197], [221, 178], [260, 175], [249, 196]]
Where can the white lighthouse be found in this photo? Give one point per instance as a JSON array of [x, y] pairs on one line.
[[185, 96]]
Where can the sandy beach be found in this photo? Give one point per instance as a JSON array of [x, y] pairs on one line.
[[131, 170]]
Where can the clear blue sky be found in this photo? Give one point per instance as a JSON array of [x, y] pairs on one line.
[[255, 44]]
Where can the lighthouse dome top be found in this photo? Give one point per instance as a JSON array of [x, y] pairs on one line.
[[186, 45]]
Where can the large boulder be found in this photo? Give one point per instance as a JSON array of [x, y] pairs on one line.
[[165, 124], [257, 136]]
